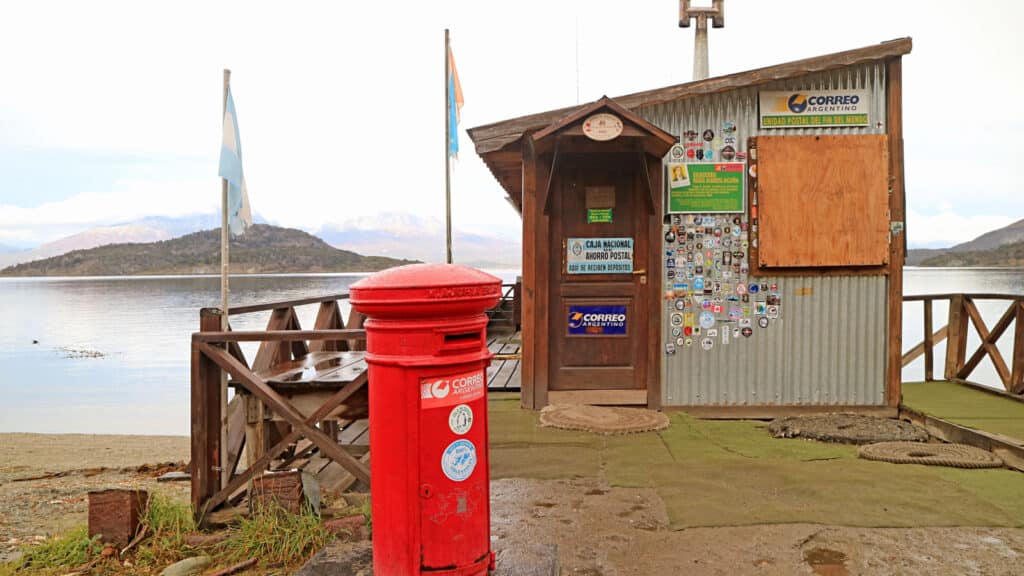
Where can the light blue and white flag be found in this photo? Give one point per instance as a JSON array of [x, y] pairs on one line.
[[239, 214]]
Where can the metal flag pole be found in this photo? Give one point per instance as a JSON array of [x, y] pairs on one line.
[[447, 151], [225, 473]]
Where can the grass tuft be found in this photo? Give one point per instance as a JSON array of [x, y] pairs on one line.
[[167, 524], [72, 549], [275, 536]]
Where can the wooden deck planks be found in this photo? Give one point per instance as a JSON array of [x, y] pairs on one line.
[[503, 373]]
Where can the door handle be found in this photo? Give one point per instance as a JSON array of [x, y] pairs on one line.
[[639, 272]]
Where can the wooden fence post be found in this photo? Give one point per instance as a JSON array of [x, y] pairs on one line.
[[205, 415], [956, 342], [1017, 375], [929, 344]]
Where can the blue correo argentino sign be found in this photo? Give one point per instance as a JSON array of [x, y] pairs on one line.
[[597, 320]]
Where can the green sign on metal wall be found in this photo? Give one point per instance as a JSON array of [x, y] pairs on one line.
[[705, 187]]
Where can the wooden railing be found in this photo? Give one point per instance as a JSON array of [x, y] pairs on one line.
[[507, 315], [963, 308], [215, 424]]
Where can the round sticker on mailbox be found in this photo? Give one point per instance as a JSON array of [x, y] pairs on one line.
[[459, 460], [460, 419]]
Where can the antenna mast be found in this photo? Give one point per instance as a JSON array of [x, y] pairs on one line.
[[700, 42]]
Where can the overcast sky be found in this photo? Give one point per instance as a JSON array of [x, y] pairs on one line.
[[112, 111]]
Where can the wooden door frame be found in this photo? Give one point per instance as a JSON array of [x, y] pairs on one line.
[[540, 149]]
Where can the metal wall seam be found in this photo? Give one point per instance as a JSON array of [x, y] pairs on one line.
[[829, 345]]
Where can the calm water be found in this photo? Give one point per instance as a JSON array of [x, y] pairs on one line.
[[140, 328]]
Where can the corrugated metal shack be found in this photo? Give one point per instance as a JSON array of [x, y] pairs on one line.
[[772, 280]]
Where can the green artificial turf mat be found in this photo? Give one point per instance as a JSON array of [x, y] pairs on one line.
[[733, 473], [965, 406]]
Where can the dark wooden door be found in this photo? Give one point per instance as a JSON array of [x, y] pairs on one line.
[[598, 359]]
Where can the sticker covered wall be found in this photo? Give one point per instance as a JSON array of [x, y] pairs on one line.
[[802, 355]]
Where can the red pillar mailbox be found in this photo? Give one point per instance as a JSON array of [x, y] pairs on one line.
[[427, 353]]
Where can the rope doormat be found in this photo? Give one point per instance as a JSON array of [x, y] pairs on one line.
[[955, 455], [602, 419], [846, 429]]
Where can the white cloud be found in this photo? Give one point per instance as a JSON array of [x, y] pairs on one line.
[[947, 227], [129, 200], [340, 104]]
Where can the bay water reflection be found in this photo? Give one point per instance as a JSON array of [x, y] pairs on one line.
[[111, 355]]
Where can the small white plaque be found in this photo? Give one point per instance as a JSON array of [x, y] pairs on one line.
[[602, 127]]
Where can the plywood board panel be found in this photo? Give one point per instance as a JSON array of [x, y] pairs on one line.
[[823, 201]]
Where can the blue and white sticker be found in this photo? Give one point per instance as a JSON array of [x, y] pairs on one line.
[[707, 319], [459, 460]]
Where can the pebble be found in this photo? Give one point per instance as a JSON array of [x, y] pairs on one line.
[[188, 566]]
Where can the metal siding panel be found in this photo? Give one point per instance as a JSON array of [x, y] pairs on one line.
[[825, 349]]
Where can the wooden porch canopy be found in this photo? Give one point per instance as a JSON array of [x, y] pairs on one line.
[[500, 143], [567, 133]]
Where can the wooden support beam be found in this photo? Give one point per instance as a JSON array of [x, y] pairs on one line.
[[328, 317], [356, 321], [918, 350], [897, 234], [205, 419], [278, 336], [208, 505], [1017, 378], [280, 406], [929, 343], [988, 341], [956, 347], [272, 351], [236, 432]]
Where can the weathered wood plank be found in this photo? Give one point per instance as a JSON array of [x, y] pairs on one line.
[[1017, 379], [929, 343], [328, 317], [279, 335], [988, 342], [956, 347], [200, 509], [205, 420], [897, 236], [918, 350], [280, 406]]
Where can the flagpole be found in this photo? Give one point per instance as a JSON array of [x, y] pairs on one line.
[[447, 150], [225, 472]]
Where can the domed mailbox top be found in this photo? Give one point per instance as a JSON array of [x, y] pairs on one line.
[[425, 291]]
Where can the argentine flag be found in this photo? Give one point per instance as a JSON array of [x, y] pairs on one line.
[[239, 214]]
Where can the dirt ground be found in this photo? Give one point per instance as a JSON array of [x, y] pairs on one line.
[[45, 478], [600, 531], [604, 531]]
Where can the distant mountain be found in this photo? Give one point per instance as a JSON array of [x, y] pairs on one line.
[[89, 239], [393, 234], [1007, 255], [263, 249], [412, 236], [974, 251], [915, 256], [994, 239]]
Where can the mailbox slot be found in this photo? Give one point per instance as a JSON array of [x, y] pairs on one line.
[[461, 342]]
